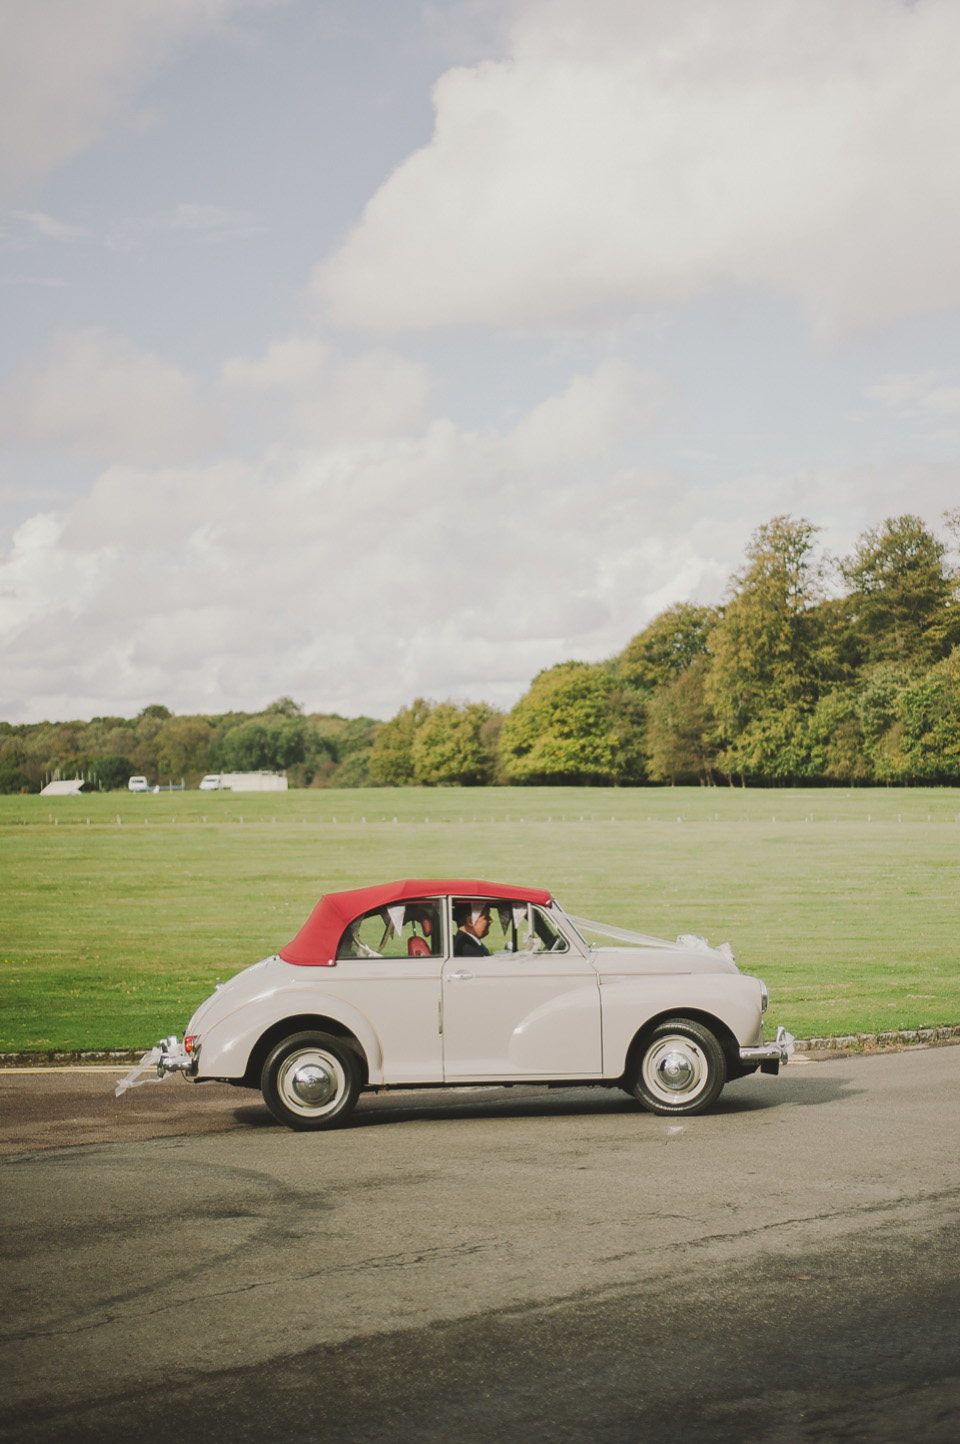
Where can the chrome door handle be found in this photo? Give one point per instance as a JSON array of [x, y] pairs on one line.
[[458, 977]]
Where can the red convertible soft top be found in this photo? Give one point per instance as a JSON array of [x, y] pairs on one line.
[[316, 943]]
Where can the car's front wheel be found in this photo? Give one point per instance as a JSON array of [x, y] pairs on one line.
[[310, 1081], [680, 1068]]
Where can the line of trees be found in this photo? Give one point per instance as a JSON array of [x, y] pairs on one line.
[[322, 749], [813, 670]]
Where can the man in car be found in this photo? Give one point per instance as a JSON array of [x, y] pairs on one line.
[[473, 924]]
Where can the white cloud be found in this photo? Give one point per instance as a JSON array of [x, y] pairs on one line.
[[40, 579], [294, 362], [467, 29], [69, 70], [634, 153], [356, 547], [189, 221], [49, 226], [914, 394], [377, 394], [330, 397], [206, 219], [352, 573], [100, 397], [591, 418], [357, 573], [870, 493]]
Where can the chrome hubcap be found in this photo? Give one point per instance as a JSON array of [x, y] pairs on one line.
[[313, 1084], [676, 1072], [675, 1069], [311, 1081]]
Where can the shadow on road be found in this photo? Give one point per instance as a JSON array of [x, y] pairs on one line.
[[489, 1102]]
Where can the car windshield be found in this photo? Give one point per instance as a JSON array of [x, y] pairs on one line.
[[594, 934]]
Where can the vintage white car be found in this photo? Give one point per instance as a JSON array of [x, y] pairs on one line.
[[439, 983]]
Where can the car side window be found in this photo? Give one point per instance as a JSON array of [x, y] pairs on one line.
[[402, 930], [520, 927]]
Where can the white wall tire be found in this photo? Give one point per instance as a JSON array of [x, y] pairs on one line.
[[679, 1069], [311, 1081]]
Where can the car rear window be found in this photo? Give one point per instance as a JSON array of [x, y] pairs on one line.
[[402, 930]]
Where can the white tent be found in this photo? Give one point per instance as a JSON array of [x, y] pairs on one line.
[[253, 781], [63, 789]]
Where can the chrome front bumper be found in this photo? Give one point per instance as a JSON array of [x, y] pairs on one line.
[[172, 1057], [770, 1056]]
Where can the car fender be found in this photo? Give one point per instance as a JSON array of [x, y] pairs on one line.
[[227, 1043], [628, 1003]]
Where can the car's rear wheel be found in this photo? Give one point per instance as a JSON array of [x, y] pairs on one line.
[[311, 1081], [680, 1068]]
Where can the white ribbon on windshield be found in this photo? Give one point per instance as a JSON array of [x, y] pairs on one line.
[[623, 935], [626, 935]]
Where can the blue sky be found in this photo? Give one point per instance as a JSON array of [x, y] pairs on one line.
[[364, 349]]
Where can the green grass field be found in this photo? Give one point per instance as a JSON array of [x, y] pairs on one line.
[[119, 912]]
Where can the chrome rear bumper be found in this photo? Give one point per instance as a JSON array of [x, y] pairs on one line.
[[169, 1056], [174, 1058]]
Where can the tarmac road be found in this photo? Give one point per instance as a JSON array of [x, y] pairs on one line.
[[498, 1265]]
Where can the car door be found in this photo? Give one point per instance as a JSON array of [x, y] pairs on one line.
[[528, 1010], [395, 985]]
